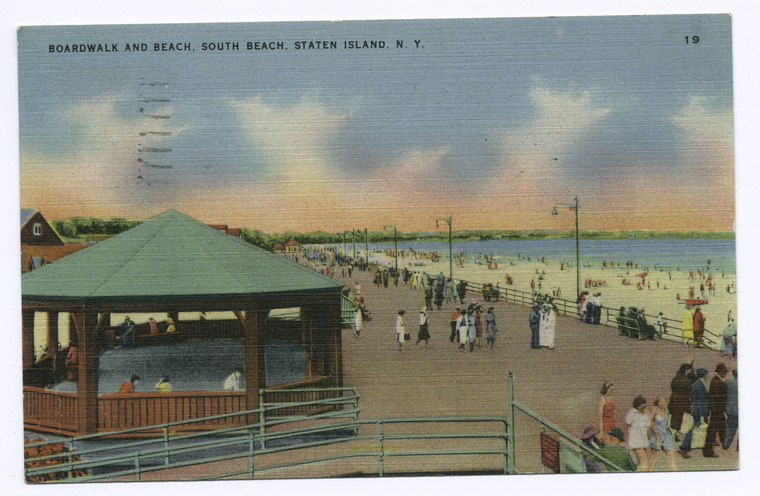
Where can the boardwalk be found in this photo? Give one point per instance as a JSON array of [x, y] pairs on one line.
[[562, 384]]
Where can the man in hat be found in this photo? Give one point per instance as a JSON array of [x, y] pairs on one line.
[[615, 453], [732, 410], [699, 411], [717, 408]]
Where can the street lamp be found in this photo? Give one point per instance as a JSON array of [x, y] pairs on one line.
[[395, 247], [353, 244], [451, 253], [575, 207]]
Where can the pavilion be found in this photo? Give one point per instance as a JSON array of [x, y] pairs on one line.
[[173, 264]]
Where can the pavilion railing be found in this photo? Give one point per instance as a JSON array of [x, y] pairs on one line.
[[126, 411], [50, 410]]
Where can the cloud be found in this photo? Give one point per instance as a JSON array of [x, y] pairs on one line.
[[536, 168], [95, 169]]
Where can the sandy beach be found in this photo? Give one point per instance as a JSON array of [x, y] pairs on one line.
[[658, 292]]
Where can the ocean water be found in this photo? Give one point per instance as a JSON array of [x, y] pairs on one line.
[[668, 253]]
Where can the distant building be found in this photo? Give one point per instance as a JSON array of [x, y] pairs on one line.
[[235, 232], [292, 246], [35, 230], [278, 248], [40, 244]]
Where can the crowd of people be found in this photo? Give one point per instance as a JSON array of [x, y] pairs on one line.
[[699, 414]]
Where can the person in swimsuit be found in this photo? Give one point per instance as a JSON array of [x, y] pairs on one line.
[[606, 411]]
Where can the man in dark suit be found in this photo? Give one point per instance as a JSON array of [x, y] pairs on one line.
[[699, 409], [717, 407]]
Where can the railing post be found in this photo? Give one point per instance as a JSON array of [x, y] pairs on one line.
[[512, 433], [382, 452], [262, 418], [166, 445], [69, 448], [251, 447], [137, 467]]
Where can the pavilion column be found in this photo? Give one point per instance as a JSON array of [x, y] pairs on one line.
[[87, 385], [52, 335], [333, 327], [27, 338], [253, 350]]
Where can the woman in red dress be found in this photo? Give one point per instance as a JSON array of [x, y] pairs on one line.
[[606, 411]]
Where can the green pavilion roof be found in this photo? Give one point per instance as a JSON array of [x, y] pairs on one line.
[[170, 256]]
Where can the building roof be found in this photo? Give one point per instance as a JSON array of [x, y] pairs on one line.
[[292, 242], [278, 246], [26, 214], [48, 253], [170, 257]]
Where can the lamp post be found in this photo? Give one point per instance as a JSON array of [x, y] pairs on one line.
[[575, 207], [353, 244], [395, 248], [366, 247], [451, 252]]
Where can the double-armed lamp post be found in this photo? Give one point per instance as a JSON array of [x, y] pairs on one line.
[[577, 244], [447, 220], [395, 246]]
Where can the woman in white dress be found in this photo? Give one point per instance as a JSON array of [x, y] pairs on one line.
[[400, 329], [546, 327], [638, 420]]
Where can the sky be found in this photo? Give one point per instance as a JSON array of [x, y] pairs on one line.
[[493, 121]]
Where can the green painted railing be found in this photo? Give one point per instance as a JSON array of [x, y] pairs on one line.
[[340, 420]]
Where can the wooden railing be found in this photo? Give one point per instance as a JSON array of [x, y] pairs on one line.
[[50, 410], [125, 411]]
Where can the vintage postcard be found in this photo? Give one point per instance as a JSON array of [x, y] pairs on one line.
[[378, 248]]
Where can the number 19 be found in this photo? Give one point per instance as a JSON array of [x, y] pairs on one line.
[[694, 40]]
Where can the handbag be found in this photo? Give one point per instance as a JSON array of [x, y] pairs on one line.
[[687, 423], [698, 436]]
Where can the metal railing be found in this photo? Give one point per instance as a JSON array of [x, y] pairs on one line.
[[363, 447], [578, 448], [671, 331], [253, 444], [330, 408]]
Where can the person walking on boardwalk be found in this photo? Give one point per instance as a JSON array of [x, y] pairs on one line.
[[637, 419], [490, 320], [462, 329], [423, 335], [358, 322], [606, 411], [546, 327], [680, 397], [732, 410], [699, 410], [400, 330], [534, 319], [447, 291], [462, 290], [699, 327], [687, 326], [438, 297], [478, 325], [453, 321], [661, 437], [717, 407], [471, 328], [429, 294]]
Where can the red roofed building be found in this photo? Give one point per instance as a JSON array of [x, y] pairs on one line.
[[235, 232], [292, 246], [278, 248]]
